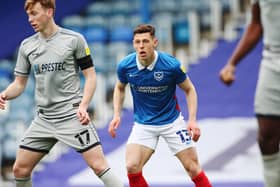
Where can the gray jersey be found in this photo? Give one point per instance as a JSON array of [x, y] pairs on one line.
[[270, 15], [54, 61]]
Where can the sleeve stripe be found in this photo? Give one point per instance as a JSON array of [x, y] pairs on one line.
[[21, 73]]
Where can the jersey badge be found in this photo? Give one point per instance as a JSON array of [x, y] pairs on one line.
[[158, 75], [183, 68], [87, 51]]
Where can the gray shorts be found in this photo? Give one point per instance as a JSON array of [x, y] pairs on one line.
[[43, 134], [267, 97]]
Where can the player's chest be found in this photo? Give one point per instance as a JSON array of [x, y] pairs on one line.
[[50, 52], [147, 77]]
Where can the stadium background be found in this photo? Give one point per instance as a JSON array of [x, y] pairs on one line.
[[201, 33]]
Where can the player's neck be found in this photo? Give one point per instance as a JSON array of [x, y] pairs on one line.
[[49, 31], [148, 61]]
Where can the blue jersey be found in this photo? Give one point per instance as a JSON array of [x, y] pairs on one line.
[[153, 88]]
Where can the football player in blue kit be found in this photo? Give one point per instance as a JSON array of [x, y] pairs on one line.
[[153, 76]]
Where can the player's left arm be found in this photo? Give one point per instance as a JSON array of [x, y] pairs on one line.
[[89, 89], [84, 61], [191, 96]]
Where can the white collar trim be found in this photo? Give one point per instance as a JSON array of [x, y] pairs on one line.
[[151, 66]]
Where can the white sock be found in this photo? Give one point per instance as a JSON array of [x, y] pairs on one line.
[[110, 179], [23, 182], [271, 164]]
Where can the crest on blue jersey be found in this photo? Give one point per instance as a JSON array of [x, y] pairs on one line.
[[158, 75]]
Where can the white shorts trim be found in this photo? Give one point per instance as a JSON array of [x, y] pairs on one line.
[[174, 134]]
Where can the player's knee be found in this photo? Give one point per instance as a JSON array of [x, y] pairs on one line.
[[21, 171], [133, 167], [98, 166]]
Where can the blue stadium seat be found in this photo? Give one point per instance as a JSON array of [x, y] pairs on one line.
[[99, 8], [12, 131], [96, 34], [118, 20], [74, 22], [121, 7], [96, 21], [181, 33], [135, 20], [121, 34], [164, 6], [5, 81], [98, 53], [6, 77], [8, 65]]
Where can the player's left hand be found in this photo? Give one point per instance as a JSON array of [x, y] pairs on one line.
[[194, 129], [83, 115], [113, 126], [227, 74]]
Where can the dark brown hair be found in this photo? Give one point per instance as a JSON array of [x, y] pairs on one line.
[[144, 28], [45, 3]]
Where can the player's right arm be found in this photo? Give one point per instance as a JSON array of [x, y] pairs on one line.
[[13, 90], [248, 41], [118, 99]]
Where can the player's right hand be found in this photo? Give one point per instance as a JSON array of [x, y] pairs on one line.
[[3, 98], [227, 74], [113, 126], [194, 130]]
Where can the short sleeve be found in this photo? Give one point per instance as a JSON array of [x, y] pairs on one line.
[[82, 53], [180, 72], [23, 65], [82, 49], [121, 73]]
